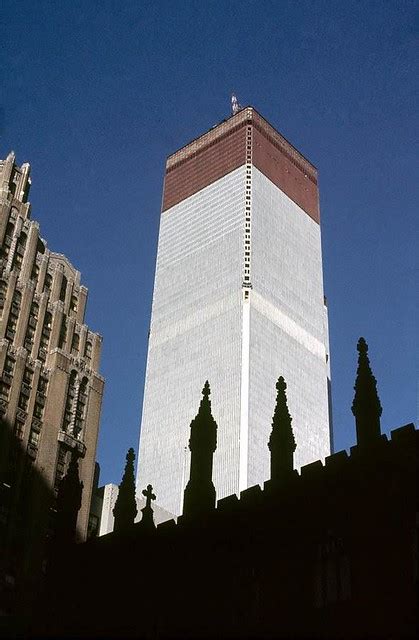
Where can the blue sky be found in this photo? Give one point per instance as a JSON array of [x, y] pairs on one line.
[[95, 95]]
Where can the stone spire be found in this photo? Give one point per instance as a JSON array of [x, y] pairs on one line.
[[281, 442], [366, 405], [199, 494], [125, 508], [68, 502]]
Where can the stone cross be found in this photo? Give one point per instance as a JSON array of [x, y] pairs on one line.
[[149, 495]]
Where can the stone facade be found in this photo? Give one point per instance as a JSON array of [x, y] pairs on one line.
[[50, 387]]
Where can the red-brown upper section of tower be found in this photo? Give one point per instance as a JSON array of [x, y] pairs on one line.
[[226, 147]]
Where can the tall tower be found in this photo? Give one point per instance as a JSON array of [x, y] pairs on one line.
[[238, 300], [50, 388]]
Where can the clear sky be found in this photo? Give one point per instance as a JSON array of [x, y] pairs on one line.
[[95, 95]]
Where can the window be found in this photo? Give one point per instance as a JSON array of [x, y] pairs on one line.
[[10, 230], [3, 292], [16, 301], [63, 289], [4, 391], [9, 365], [88, 350], [333, 572], [63, 334], [13, 316], [35, 272], [34, 311], [27, 376], [34, 438], [17, 262], [30, 331], [38, 410], [19, 429], [93, 526], [19, 252], [75, 343], [60, 468], [73, 303], [11, 328], [23, 402], [80, 408], [21, 243], [42, 384], [46, 332], [7, 239], [71, 392], [47, 282]]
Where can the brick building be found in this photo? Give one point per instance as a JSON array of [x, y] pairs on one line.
[[50, 386]]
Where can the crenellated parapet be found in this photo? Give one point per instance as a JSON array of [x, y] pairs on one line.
[[351, 474], [316, 555]]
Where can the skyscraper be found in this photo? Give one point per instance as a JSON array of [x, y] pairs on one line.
[[238, 300], [50, 387]]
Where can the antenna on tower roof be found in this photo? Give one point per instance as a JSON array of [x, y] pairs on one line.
[[235, 106]]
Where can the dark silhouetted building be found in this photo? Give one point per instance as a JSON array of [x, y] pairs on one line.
[[330, 551]]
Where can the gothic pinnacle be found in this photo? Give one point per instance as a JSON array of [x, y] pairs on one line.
[[281, 442], [366, 405]]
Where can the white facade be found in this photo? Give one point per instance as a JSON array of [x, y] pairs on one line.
[[207, 325], [287, 327], [107, 520], [110, 494]]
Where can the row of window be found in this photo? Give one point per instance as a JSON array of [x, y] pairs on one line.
[[75, 407], [74, 414], [23, 402], [75, 342], [76, 399], [6, 378], [18, 259], [13, 315], [246, 276], [73, 421], [61, 465], [32, 323]]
